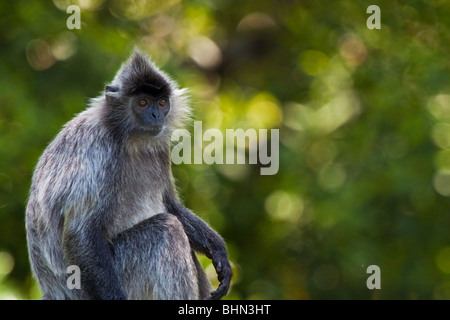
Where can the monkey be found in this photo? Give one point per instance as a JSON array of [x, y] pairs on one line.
[[103, 198]]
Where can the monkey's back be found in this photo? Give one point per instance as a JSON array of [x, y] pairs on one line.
[[68, 180]]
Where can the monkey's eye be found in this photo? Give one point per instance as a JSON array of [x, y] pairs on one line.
[[163, 102], [143, 102]]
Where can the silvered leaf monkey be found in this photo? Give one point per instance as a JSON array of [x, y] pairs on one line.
[[103, 198]]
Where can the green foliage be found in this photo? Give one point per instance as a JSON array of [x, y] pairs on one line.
[[364, 119]]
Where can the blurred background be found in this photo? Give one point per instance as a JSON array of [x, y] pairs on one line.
[[364, 120]]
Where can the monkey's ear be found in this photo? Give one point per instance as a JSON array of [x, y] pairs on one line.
[[111, 88], [112, 93]]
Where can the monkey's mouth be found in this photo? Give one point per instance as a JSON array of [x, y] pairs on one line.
[[153, 130]]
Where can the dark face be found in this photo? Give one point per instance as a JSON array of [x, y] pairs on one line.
[[142, 90], [150, 111]]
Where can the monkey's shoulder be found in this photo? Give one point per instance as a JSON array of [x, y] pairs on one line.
[[77, 157], [82, 137]]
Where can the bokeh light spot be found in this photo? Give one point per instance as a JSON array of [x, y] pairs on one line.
[[313, 62]]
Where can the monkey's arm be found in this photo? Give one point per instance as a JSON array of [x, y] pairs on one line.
[[206, 241], [86, 246]]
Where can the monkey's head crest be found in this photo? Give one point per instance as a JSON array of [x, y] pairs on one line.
[[140, 76]]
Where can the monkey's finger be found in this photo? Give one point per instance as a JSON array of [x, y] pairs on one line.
[[214, 296], [225, 278], [219, 293]]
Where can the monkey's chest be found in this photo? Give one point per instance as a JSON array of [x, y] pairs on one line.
[[135, 208]]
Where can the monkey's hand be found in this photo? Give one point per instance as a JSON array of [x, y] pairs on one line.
[[224, 274]]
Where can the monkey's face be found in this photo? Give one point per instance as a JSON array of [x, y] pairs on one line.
[[150, 112], [142, 100]]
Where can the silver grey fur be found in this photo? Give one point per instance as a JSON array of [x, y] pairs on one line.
[[103, 198]]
